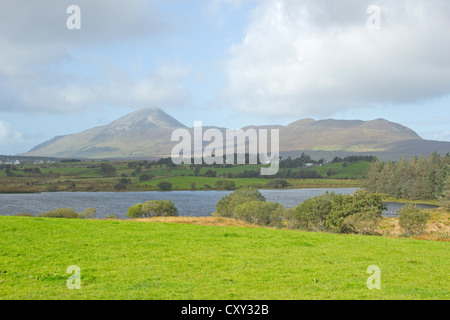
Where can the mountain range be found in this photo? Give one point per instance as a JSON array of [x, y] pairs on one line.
[[146, 133]]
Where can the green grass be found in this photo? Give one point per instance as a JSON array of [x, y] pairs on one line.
[[357, 170], [140, 260]]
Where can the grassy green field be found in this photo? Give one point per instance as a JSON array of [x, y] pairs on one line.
[[148, 260], [87, 176]]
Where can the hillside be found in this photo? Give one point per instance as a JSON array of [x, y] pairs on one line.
[[147, 133]]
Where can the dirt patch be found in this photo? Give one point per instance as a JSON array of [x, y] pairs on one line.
[[206, 221], [438, 227]]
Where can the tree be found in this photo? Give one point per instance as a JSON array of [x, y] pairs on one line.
[[226, 205], [164, 185], [278, 184], [159, 208], [225, 185], [153, 208], [146, 177], [210, 174], [107, 170], [446, 196]]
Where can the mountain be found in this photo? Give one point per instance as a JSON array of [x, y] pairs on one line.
[[146, 133]]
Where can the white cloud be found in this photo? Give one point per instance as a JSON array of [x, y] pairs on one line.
[[9, 138], [42, 70], [319, 57]]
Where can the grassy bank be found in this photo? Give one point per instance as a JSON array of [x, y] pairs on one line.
[[137, 260]]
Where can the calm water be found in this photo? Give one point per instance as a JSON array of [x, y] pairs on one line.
[[189, 203]]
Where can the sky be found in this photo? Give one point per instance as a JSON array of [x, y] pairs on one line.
[[228, 63]]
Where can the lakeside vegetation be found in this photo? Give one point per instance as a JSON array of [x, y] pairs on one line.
[[76, 175]]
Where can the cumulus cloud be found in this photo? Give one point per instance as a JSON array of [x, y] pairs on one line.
[[319, 57], [46, 67]]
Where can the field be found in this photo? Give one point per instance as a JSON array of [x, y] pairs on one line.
[[88, 176], [153, 260]]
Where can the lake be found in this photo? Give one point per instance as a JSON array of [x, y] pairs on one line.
[[189, 203]]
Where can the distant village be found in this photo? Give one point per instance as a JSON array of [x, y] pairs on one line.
[[18, 163]]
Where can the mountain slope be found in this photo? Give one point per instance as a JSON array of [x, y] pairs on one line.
[[345, 135], [147, 133], [141, 133]]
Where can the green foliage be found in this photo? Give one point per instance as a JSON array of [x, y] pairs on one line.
[[135, 211], [313, 213], [226, 205], [210, 174], [159, 208], [329, 212], [225, 185], [445, 200], [260, 212], [278, 184], [363, 222], [358, 203], [146, 177], [88, 213], [107, 170], [413, 220], [420, 178], [153, 208], [164, 185], [120, 186], [67, 213]]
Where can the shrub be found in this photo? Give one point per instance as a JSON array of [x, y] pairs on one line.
[[107, 170], [111, 216], [125, 180], [210, 174], [51, 188], [164, 185], [146, 177], [135, 211], [153, 208], [68, 213], [225, 185], [24, 214], [347, 205], [159, 208], [328, 212], [226, 205], [278, 184], [260, 212], [313, 214], [412, 220], [88, 213], [120, 186], [363, 222]]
